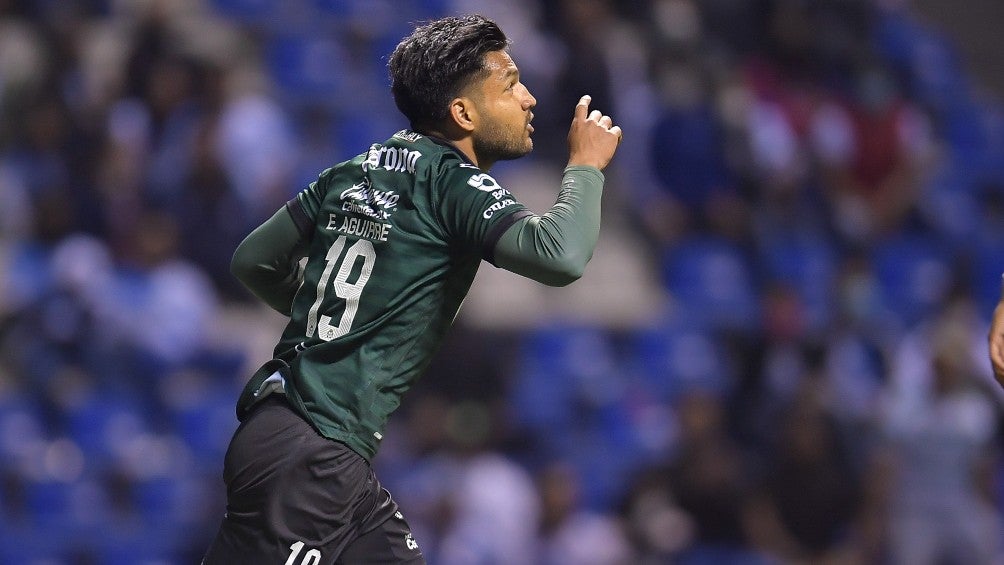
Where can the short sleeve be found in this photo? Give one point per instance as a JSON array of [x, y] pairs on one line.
[[475, 209]]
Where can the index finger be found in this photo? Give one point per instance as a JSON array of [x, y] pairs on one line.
[[582, 108]]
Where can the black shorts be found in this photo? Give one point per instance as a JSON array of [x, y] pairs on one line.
[[297, 498]]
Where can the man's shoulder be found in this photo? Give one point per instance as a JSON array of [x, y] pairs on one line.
[[439, 154], [416, 155]]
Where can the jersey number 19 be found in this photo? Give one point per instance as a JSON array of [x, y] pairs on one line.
[[349, 292]]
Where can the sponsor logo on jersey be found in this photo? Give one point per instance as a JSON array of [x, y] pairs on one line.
[[409, 540], [501, 204], [502, 196], [483, 182], [396, 159], [362, 198]]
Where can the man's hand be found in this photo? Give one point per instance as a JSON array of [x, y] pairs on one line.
[[593, 137], [996, 340]]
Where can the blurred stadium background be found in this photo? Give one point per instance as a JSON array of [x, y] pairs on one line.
[[776, 356]]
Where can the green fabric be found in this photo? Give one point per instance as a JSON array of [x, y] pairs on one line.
[[394, 238], [555, 247], [267, 261]]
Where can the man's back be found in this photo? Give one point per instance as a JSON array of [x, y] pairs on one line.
[[396, 237]]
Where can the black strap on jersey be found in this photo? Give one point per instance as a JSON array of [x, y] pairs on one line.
[[495, 234]]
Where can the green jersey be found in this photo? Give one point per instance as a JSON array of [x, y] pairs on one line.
[[395, 239]]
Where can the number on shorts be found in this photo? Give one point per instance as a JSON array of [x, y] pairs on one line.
[[312, 557]]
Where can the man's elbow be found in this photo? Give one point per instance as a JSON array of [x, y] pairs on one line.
[[566, 270], [242, 265]]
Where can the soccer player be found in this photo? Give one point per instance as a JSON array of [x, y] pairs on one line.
[[392, 240]]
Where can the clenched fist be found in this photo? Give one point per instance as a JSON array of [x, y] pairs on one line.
[[593, 137]]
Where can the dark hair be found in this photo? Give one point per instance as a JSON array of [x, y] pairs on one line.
[[437, 61]]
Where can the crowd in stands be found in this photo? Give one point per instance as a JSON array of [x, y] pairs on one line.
[[817, 185]]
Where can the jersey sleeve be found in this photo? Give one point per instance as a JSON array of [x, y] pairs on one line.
[[474, 208], [304, 207]]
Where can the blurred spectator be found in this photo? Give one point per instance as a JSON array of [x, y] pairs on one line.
[[874, 150], [938, 426], [804, 511], [160, 308], [686, 147], [700, 493], [818, 181], [571, 534], [494, 504], [255, 145]]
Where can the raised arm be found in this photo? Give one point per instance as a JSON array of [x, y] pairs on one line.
[[554, 248]]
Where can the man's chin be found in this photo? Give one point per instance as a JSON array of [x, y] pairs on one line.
[[512, 155]]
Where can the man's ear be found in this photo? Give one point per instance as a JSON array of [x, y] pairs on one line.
[[463, 113]]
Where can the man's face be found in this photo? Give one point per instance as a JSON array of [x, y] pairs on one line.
[[504, 106]]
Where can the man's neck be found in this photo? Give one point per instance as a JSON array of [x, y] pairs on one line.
[[465, 145]]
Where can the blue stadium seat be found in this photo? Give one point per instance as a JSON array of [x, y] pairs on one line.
[[712, 284], [21, 426], [25, 545], [949, 202], [102, 422], [167, 502], [49, 504], [308, 69], [132, 545], [808, 265], [415, 10], [565, 373], [931, 63], [257, 12], [985, 277], [356, 131], [603, 466], [914, 274], [676, 358], [205, 423]]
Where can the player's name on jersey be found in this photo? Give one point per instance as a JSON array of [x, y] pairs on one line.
[[360, 227]]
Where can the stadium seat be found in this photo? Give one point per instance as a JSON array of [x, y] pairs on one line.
[[914, 274], [133, 545], [204, 419], [565, 375], [711, 283], [25, 545], [950, 204], [809, 266], [166, 502], [63, 506], [672, 359], [103, 422], [22, 426], [255, 12], [985, 277], [930, 62], [308, 69]]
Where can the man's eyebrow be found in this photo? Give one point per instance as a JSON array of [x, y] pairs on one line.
[[510, 72]]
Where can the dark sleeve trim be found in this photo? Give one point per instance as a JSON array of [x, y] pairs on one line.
[[303, 222], [498, 229]]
